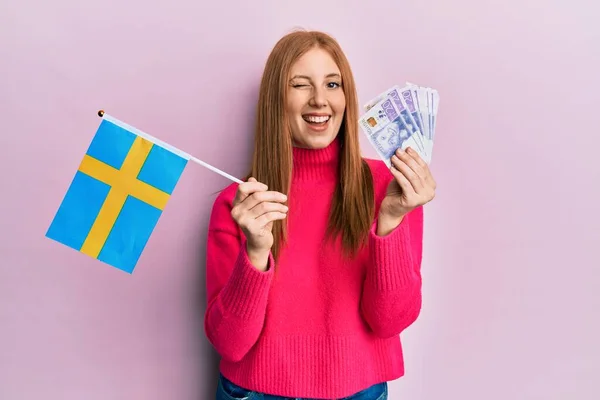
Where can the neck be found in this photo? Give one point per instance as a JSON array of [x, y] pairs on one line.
[[317, 165]]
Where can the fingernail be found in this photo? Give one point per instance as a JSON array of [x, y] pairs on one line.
[[399, 151]]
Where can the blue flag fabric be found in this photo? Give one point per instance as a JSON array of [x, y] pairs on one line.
[[117, 195]]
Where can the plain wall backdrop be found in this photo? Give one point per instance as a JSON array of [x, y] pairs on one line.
[[511, 264]]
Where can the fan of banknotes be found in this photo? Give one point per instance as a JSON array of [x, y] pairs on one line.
[[402, 117]]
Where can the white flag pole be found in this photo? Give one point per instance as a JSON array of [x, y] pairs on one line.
[[218, 171], [167, 146]]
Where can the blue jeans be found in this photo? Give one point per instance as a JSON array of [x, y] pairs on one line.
[[228, 390]]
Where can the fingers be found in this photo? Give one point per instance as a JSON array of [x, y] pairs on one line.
[[247, 188], [252, 201], [267, 207], [257, 198], [404, 183], [268, 217], [424, 168], [417, 157], [254, 221], [408, 168], [412, 158]]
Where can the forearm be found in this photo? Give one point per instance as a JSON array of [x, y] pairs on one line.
[[392, 290], [236, 310], [389, 313], [385, 224], [259, 258]]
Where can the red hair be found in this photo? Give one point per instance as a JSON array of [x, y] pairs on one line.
[[353, 206]]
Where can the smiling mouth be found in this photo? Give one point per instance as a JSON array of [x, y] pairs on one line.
[[316, 120]]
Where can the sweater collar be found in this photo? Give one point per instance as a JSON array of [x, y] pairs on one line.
[[317, 165]]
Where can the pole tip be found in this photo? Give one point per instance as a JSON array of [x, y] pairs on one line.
[[101, 113]]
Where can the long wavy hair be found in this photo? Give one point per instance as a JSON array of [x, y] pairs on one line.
[[352, 210]]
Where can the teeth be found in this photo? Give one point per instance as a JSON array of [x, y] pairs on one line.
[[311, 118]]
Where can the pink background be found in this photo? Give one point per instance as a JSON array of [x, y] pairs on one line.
[[511, 255]]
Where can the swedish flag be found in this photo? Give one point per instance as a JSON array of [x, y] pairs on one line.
[[117, 194]]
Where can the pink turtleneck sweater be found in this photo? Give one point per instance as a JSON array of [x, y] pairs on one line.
[[321, 327]]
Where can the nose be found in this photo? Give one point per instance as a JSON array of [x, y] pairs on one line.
[[318, 98]]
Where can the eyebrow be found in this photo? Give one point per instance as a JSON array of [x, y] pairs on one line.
[[332, 75]]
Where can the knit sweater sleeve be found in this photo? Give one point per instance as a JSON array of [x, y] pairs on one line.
[[391, 299], [236, 291]]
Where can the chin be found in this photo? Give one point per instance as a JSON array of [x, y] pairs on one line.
[[315, 142]]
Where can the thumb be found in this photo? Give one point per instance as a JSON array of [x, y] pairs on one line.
[[252, 179]]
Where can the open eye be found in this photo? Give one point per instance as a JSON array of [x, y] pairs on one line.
[[333, 85]]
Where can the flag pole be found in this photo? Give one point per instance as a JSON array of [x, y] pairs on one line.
[[102, 114]]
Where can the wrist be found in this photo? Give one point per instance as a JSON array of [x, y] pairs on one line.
[[258, 258], [386, 223]]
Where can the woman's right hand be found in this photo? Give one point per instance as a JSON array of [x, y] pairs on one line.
[[254, 210]]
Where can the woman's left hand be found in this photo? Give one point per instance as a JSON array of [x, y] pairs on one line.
[[412, 186]]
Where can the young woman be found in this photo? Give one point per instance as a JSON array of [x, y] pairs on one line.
[[313, 263]]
